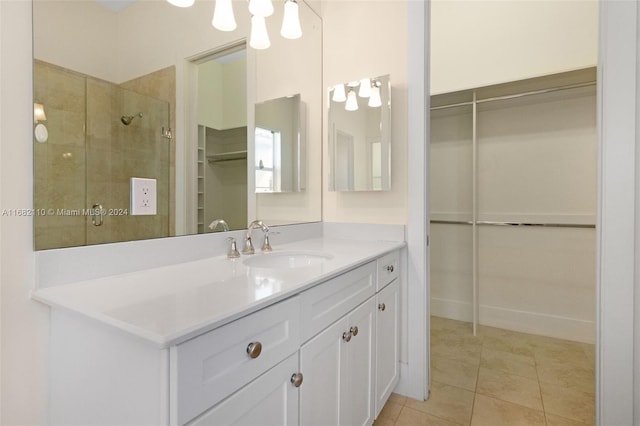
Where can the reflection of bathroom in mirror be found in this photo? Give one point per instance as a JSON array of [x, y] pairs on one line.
[[222, 140], [360, 135], [93, 88], [279, 147]]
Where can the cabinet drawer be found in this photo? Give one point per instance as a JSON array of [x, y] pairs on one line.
[[388, 269], [210, 367], [327, 302]]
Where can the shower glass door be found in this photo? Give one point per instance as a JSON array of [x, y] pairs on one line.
[[90, 157]]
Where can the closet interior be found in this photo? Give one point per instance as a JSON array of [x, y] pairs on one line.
[[513, 205]]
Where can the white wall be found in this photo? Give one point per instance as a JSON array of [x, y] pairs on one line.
[[222, 94], [24, 323], [358, 43], [479, 43], [86, 43]]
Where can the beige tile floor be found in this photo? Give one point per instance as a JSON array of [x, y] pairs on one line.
[[499, 378]]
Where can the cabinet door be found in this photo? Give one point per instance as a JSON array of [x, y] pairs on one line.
[[387, 343], [324, 389], [270, 400], [360, 365]]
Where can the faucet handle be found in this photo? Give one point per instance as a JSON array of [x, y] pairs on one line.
[[266, 246], [248, 246], [233, 250]]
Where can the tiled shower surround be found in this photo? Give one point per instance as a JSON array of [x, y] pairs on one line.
[[91, 155]]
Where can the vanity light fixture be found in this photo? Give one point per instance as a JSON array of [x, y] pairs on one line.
[[291, 21], [40, 130], [339, 95], [259, 37], [262, 8], [223, 18], [182, 3], [374, 99], [365, 88], [352, 102]]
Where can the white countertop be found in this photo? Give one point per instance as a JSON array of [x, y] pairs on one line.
[[170, 304]]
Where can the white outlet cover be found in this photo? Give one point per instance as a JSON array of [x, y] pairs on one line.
[[143, 196]]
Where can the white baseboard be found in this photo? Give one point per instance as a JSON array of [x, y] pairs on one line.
[[525, 322], [452, 309]]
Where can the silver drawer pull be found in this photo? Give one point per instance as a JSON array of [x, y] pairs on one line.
[[346, 336], [389, 268], [354, 330], [296, 379], [382, 306], [254, 349]]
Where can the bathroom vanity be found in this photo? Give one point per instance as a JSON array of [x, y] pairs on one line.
[[308, 334]]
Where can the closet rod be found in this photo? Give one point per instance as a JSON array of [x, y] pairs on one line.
[[491, 223], [517, 95]]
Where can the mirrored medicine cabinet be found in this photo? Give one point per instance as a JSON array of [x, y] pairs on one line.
[[360, 135]]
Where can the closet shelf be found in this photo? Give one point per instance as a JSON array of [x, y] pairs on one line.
[[227, 156]]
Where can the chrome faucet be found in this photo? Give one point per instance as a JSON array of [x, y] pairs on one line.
[[213, 225], [248, 245]]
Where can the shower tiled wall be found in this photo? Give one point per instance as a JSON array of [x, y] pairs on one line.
[[81, 166]]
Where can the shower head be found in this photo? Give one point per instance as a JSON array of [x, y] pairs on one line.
[[127, 119]]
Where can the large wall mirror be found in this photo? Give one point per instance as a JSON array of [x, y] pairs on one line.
[[360, 135], [143, 89]]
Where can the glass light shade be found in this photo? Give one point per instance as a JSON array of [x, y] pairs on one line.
[[259, 37], [291, 22], [365, 88], [38, 113], [339, 95], [352, 101], [262, 8], [223, 18], [374, 99], [182, 3]]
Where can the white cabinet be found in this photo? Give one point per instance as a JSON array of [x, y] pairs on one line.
[[338, 365], [387, 343], [270, 400], [208, 368], [336, 335]]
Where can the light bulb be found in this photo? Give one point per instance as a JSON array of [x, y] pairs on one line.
[[339, 94], [38, 113], [223, 18], [291, 22], [374, 99], [182, 3], [259, 36], [365, 88], [262, 8], [352, 101]]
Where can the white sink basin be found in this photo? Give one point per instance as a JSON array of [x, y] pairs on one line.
[[286, 260]]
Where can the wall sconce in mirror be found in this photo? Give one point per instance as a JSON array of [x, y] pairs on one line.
[[40, 130], [280, 145], [360, 135], [224, 19]]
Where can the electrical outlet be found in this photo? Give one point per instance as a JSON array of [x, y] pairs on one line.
[[143, 196]]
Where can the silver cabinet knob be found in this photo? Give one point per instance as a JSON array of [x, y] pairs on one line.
[[382, 306], [389, 268], [296, 379], [354, 330], [254, 349], [346, 336]]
